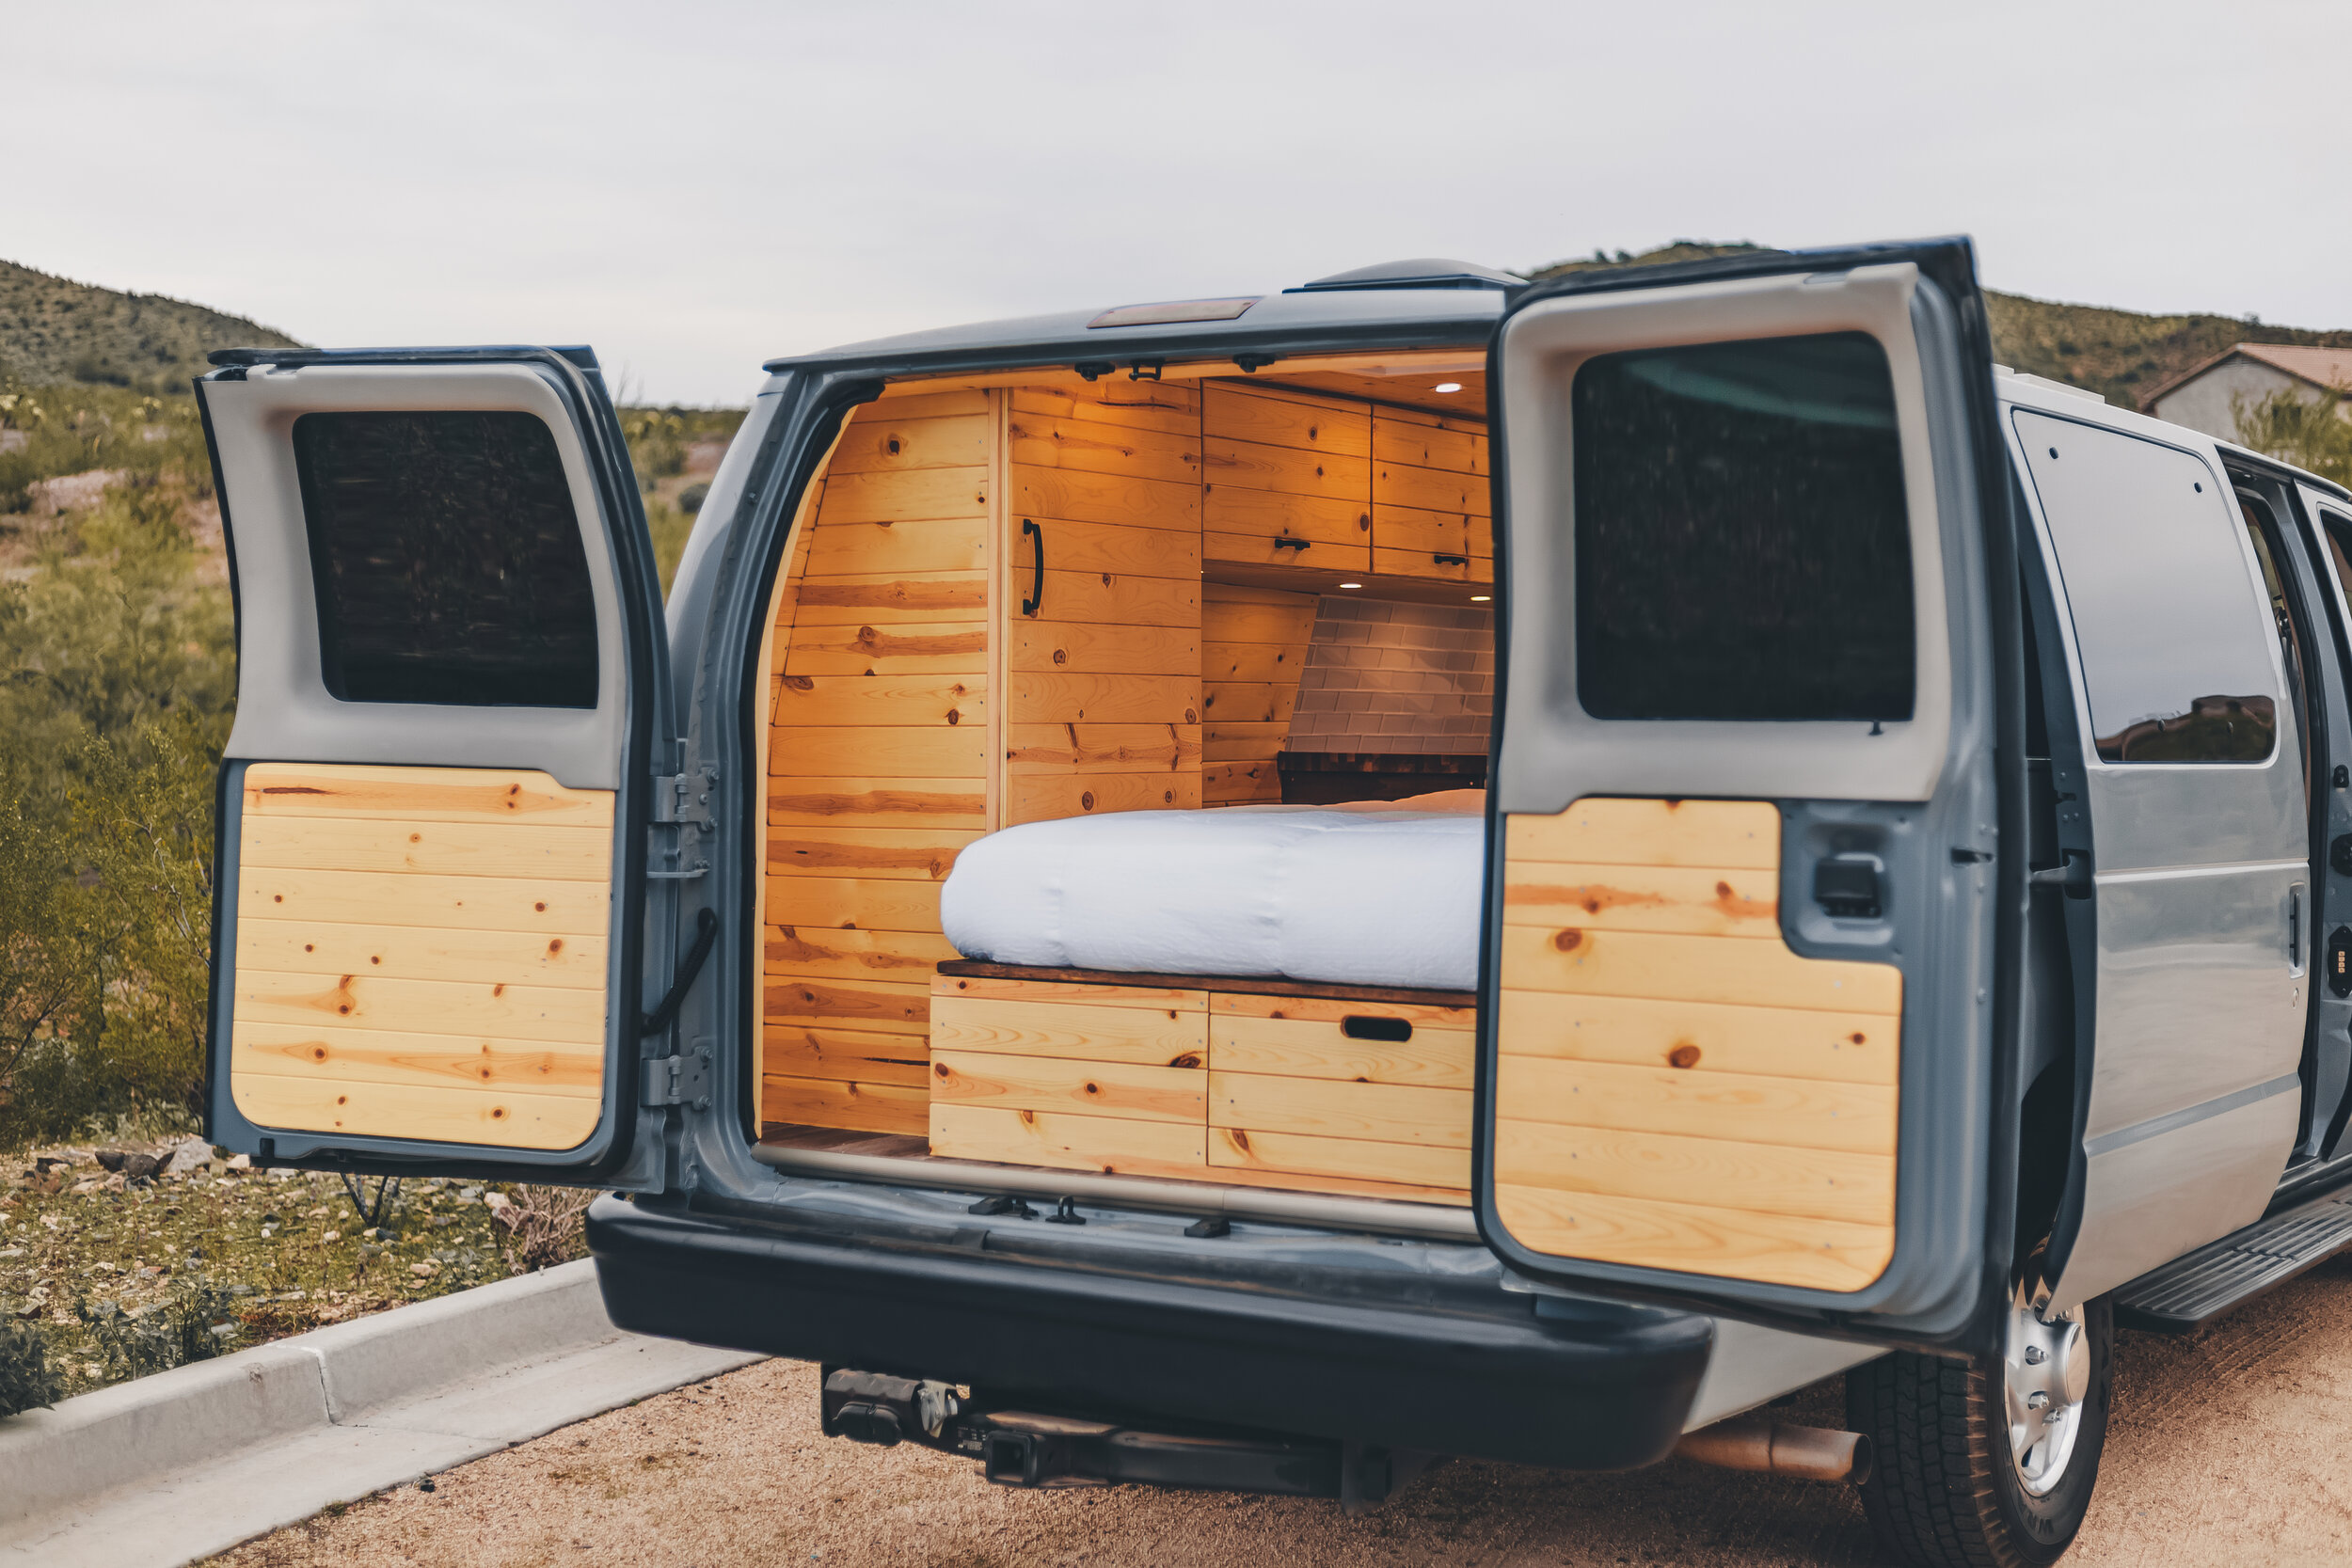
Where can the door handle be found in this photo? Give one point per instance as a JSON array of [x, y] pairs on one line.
[[1036, 600], [2294, 930]]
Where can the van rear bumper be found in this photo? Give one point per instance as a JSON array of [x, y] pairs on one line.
[[1574, 1385]]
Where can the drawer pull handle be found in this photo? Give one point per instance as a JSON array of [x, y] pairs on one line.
[[1292, 544], [1449, 560], [1364, 1027]]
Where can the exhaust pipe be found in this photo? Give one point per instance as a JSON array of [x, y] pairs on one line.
[[1759, 1443]]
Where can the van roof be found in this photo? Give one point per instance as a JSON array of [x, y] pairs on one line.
[[1384, 318]]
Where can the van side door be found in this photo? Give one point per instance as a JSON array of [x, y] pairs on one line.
[[2183, 821], [430, 947]]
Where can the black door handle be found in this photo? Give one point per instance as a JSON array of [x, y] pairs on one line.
[[1036, 600]]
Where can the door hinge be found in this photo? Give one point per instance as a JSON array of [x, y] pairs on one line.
[[680, 1080], [685, 798], [682, 800]]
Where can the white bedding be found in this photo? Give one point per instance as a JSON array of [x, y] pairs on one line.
[[1349, 897]]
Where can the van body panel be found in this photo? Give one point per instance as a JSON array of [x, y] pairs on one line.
[[1883, 783], [2198, 922], [431, 907]]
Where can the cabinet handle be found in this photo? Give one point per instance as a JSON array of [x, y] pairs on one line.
[[1292, 544], [1450, 560], [1036, 600]]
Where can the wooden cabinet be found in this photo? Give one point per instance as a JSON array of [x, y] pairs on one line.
[[1288, 479], [1430, 509], [1316, 1093]]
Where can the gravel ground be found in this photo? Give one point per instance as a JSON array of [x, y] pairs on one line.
[[2227, 1449]]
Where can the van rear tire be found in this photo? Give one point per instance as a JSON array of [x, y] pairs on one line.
[[1948, 1488]]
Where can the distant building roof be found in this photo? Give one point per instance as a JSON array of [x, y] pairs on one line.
[[2328, 369]]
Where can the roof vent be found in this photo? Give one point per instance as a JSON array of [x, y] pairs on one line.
[[1421, 272]]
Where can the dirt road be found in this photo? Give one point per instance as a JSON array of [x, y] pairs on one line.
[[2233, 1447]]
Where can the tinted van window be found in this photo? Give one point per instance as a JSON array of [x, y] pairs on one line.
[[1743, 546], [448, 559], [2175, 638]]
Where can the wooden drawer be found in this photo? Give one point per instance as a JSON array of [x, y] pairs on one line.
[[1330, 1091], [1351, 1041]]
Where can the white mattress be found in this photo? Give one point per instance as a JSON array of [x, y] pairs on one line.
[[1350, 896]]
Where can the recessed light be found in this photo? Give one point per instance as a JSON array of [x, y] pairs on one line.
[[1351, 585], [1447, 386], [1479, 598]]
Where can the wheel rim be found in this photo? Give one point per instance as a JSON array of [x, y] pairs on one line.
[[2046, 1374]]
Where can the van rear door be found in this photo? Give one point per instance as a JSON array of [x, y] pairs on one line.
[[1744, 1026], [430, 945]]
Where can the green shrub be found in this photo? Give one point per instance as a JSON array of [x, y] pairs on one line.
[[195, 1324], [27, 1381], [2310, 433]]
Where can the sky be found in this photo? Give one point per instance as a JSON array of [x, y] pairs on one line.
[[697, 185]]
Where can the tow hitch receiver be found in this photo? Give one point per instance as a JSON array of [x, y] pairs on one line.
[[1027, 1448]]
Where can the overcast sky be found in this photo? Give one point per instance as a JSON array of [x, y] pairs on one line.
[[693, 187]]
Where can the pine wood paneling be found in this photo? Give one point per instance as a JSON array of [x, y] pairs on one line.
[[1089, 1087], [421, 953], [1040, 797], [1254, 645], [1675, 1087], [848, 1055], [1067, 647], [1060, 1141], [1172, 748], [878, 759]]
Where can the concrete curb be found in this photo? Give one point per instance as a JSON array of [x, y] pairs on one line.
[[189, 1461]]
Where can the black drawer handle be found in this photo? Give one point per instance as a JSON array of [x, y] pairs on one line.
[[1036, 600], [1364, 1026], [1292, 544], [1450, 560]]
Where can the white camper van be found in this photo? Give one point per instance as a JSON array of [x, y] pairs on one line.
[[1254, 891]]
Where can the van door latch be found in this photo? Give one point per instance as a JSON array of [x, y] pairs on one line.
[[2074, 876], [1847, 886]]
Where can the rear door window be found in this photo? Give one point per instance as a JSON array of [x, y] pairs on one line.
[[1742, 541], [2175, 636], [448, 559]]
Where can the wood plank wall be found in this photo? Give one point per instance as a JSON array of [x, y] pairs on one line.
[[421, 953], [1675, 1087], [1104, 700], [877, 759], [1253, 644]]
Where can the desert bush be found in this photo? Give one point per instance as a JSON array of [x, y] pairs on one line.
[[27, 1381], [544, 1225], [195, 1324], [2309, 431]]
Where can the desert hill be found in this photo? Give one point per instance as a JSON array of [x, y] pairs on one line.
[[53, 331]]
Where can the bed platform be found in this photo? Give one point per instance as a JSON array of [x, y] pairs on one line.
[[1274, 1082]]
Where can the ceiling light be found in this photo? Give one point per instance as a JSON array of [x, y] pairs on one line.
[[1447, 386], [1351, 585], [1479, 598]]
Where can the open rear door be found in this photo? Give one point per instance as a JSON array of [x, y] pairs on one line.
[[1740, 1009], [429, 940]]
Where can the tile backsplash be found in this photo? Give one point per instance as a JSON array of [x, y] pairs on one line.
[[1383, 675]]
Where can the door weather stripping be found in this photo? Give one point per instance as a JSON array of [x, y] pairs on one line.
[[706, 936]]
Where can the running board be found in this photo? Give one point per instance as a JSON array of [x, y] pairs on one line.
[[2191, 1291]]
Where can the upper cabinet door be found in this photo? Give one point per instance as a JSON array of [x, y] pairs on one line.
[[429, 950], [1738, 1011]]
